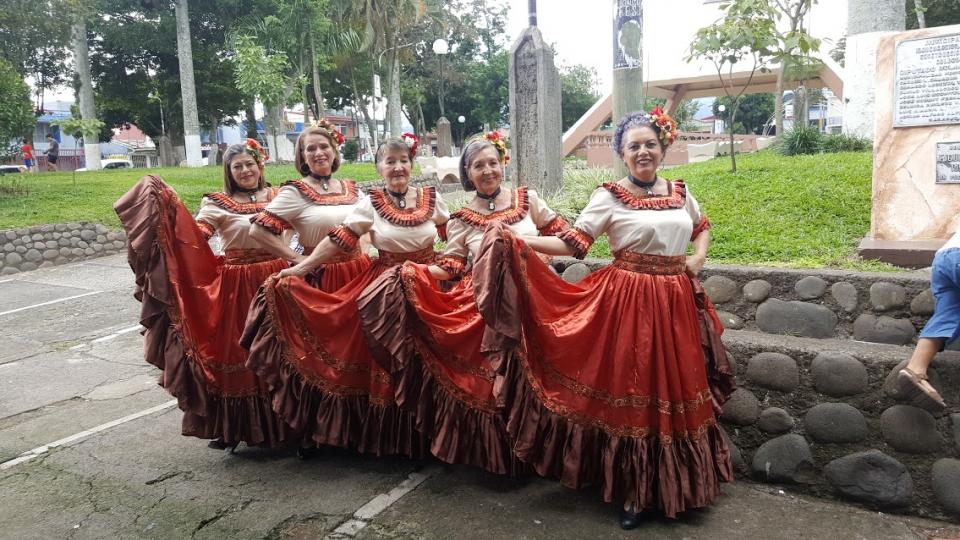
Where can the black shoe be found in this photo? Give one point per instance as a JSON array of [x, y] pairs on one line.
[[219, 444], [629, 520], [304, 453]]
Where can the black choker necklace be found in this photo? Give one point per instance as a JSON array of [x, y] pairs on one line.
[[646, 186], [324, 180], [252, 193], [491, 199], [400, 197]]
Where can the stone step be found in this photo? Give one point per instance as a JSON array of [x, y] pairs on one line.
[[823, 414]]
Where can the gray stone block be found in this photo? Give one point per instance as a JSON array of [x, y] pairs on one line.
[[63, 242], [871, 477], [87, 235], [910, 429], [885, 296], [846, 296], [83, 244], [775, 420], [774, 371], [736, 456], [33, 256], [757, 291], [28, 266], [576, 272], [89, 251], [12, 259], [742, 408], [784, 459], [40, 245], [61, 260], [720, 289], [9, 248], [46, 264], [890, 382], [955, 424], [51, 244], [46, 228], [9, 271], [101, 229], [835, 423], [922, 304], [730, 320], [76, 252], [37, 237], [10, 235], [56, 236], [21, 249], [18, 242], [796, 319], [120, 244], [838, 374], [64, 252], [945, 477], [51, 254], [883, 329], [60, 227], [811, 287], [97, 248]]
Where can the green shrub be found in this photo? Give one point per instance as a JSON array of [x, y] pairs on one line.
[[839, 142], [801, 140], [350, 150]]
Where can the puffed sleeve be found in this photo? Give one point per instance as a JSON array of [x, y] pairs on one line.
[[281, 211], [700, 220], [593, 221], [454, 258], [441, 215], [357, 223], [548, 222], [208, 218]]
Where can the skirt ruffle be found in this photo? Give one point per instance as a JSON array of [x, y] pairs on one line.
[[191, 329], [605, 381], [308, 347]]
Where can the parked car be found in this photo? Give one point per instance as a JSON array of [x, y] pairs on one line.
[[12, 169], [108, 164]]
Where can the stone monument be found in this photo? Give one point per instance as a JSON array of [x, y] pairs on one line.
[[627, 63], [916, 165], [535, 112], [866, 24], [444, 138]]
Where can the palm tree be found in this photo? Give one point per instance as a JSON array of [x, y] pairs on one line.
[[81, 58], [188, 91]]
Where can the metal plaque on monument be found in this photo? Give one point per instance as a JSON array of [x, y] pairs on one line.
[[927, 82]]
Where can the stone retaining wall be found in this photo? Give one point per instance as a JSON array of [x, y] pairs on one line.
[[877, 307], [41, 246], [822, 416]]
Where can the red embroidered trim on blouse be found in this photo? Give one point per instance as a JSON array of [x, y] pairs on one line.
[[442, 231], [344, 237], [207, 229], [405, 217], [673, 200], [271, 222], [700, 227], [578, 240], [227, 203], [348, 196], [556, 225], [453, 264], [517, 211]]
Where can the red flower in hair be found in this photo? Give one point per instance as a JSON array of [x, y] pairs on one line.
[[500, 143], [412, 141], [256, 151], [332, 130]]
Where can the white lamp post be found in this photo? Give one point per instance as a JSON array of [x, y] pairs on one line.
[[441, 48]]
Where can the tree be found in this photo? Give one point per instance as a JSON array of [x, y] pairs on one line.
[[747, 34], [188, 90], [933, 13], [577, 93], [16, 114], [78, 128], [755, 111], [80, 11], [35, 37], [795, 11], [263, 74]]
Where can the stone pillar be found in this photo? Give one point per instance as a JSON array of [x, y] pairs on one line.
[[535, 115], [867, 23], [627, 64], [444, 138]]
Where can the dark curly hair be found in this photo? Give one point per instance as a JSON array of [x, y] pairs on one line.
[[630, 121]]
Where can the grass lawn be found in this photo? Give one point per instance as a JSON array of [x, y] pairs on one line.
[[800, 212], [53, 198]]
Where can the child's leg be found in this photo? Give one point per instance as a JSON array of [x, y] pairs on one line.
[[926, 349]]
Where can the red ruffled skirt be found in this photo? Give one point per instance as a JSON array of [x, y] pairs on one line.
[[308, 346], [431, 343], [605, 381], [194, 306]]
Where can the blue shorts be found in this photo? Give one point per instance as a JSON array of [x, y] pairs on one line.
[[945, 285], [28, 163]]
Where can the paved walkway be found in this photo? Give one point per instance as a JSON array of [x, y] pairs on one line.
[[71, 373]]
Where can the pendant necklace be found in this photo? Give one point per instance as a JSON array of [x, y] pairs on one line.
[[324, 180], [252, 193], [491, 199], [400, 197], [646, 186]]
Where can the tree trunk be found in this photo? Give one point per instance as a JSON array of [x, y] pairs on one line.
[[362, 105], [393, 104], [733, 151], [317, 92], [252, 121], [801, 108], [921, 19], [778, 103], [91, 142], [214, 156], [188, 91]]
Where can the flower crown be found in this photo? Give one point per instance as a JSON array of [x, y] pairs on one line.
[[256, 151], [412, 141], [331, 131], [500, 143], [666, 124]]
